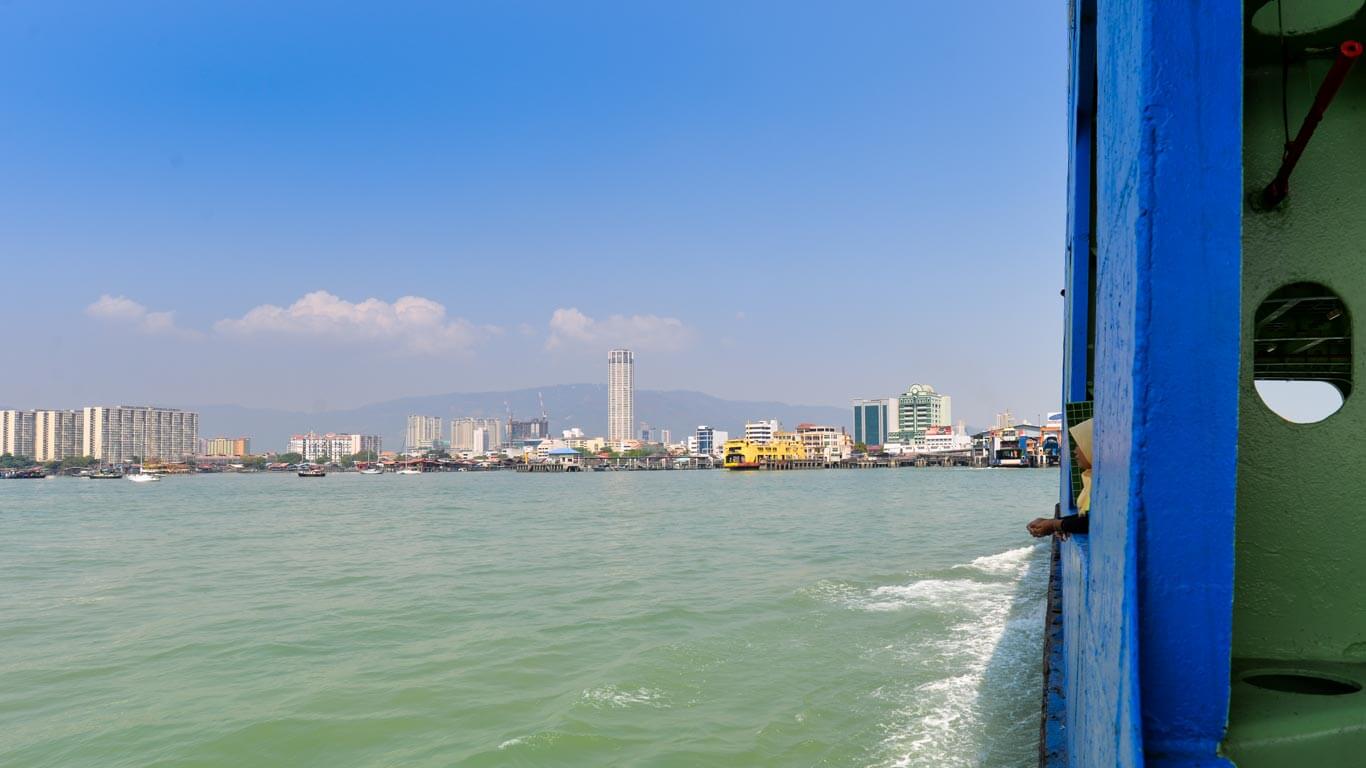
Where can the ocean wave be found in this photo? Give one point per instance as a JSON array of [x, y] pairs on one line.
[[619, 698]]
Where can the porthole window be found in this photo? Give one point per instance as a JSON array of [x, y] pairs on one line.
[[1302, 352]]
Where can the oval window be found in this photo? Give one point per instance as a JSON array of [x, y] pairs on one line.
[[1302, 352]]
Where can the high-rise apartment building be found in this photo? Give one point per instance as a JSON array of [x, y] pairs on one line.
[[621, 395], [529, 429], [57, 435], [115, 435], [762, 432], [332, 446], [464, 437], [424, 433], [874, 420], [228, 446], [16, 433], [918, 409]]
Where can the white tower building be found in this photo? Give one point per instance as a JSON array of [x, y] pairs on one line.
[[621, 395]]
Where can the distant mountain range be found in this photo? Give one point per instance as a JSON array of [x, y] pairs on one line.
[[567, 405]]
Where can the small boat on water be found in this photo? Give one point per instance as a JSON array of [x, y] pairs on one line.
[[312, 471], [144, 477], [25, 474], [109, 473], [408, 471], [372, 471]]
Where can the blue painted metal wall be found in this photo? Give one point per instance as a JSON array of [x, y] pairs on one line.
[[1147, 596]]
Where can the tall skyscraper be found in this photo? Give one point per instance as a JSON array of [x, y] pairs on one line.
[[464, 437], [57, 435], [423, 433], [116, 435], [621, 394], [919, 408], [16, 433], [872, 422]]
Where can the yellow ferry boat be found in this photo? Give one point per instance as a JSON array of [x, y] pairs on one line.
[[745, 454]]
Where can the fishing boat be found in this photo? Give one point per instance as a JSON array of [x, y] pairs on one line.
[[312, 470], [1212, 615], [107, 473], [25, 474]]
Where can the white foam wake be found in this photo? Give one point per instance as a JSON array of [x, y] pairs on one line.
[[993, 618]]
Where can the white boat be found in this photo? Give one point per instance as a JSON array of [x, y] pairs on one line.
[[372, 471], [408, 471], [144, 478]]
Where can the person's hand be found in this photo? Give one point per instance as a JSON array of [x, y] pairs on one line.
[[1040, 527]]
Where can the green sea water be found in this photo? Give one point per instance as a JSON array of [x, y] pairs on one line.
[[821, 618]]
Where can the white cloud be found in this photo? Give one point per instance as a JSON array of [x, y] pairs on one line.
[[570, 326], [412, 323], [125, 311]]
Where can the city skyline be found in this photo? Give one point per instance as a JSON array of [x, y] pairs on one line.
[[747, 187]]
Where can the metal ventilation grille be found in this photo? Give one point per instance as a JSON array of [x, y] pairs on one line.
[[1076, 413]]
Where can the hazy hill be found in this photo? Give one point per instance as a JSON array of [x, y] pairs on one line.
[[568, 405]]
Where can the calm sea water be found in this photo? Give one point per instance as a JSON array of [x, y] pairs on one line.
[[874, 618]]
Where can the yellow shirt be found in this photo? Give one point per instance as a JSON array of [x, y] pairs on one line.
[[1084, 498]]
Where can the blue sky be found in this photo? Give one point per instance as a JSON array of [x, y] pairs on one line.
[[784, 201]]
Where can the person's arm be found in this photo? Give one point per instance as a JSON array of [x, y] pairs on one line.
[[1044, 526], [1074, 524]]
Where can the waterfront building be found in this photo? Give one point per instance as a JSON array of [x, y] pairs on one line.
[[16, 433], [57, 434], [761, 431], [918, 409], [464, 437], [313, 446], [821, 441], [621, 387], [423, 433], [708, 440], [228, 446], [874, 419], [117, 434], [940, 439]]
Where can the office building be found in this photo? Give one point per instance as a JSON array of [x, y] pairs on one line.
[[424, 433], [463, 436], [708, 440], [228, 446], [332, 445], [118, 434], [761, 432], [874, 420], [918, 409], [57, 434], [16, 433], [621, 393]]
